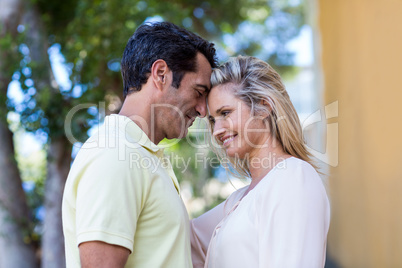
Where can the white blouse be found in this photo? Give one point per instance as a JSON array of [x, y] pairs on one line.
[[282, 223]]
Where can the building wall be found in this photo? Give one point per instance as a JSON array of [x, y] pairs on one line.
[[362, 64]]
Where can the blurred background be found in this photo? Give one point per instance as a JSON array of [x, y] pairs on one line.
[[340, 60]]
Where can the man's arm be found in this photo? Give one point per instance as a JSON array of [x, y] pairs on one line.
[[108, 205], [99, 254]]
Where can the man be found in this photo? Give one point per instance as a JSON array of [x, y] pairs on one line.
[[121, 204]]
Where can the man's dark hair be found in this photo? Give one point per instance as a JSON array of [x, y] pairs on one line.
[[178, 47]]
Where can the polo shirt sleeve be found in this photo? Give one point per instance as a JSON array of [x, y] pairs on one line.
[[109, 200], [294, 220]]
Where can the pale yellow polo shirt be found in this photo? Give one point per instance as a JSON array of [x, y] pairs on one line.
[[122, 191]]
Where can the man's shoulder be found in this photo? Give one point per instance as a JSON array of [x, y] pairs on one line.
[[112, 143]]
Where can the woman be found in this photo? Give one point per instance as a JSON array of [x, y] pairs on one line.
[[282, 218]]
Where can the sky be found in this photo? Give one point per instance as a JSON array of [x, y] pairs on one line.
[[303, 47]]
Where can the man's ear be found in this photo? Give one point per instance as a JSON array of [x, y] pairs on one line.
[[160, 74]]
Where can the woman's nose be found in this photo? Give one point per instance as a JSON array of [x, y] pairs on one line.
[[218, 130]]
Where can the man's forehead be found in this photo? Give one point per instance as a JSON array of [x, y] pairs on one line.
[[203, 80], [201, 76], [202, 64]]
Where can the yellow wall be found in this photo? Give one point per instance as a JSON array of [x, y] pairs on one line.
[[362, 62]]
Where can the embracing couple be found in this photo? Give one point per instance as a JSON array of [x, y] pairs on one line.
[[116, 214]]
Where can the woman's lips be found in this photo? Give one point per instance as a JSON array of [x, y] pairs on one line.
[[228, 139]]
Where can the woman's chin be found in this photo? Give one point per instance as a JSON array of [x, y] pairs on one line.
[[234, 153]]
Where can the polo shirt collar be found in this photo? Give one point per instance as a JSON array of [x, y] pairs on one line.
[[135, 134]]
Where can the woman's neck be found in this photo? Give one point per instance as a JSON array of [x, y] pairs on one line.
[[263, 161]]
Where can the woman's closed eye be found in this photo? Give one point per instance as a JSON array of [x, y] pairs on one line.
[[222, 114], [225, 113]]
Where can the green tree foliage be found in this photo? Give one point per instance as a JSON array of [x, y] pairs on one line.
[[93, 34]]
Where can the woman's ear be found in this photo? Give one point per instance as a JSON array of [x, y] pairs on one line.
[[267, 105], [160, 73]]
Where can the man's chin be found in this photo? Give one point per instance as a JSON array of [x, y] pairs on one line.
[[178, 135], [182, 134]]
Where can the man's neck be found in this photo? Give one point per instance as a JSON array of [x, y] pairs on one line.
[[136, 106]]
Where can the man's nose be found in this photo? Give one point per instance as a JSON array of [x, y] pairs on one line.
[[201, 107]]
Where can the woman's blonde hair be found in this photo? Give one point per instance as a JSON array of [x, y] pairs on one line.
[[258, 84]]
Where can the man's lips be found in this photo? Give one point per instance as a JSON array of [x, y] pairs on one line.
[[190, 121]]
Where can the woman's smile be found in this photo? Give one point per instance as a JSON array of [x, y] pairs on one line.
[[226, 140]]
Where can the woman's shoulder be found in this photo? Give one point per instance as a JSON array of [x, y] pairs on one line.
[[293, 168], [235, 197], [293, 174], [295, 183]]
